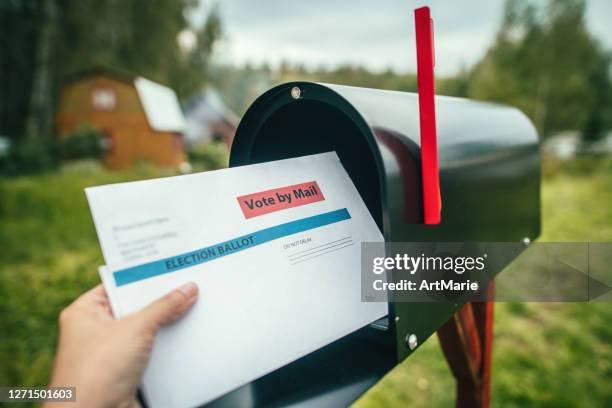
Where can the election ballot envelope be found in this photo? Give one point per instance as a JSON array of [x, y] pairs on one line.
[[274, 249]]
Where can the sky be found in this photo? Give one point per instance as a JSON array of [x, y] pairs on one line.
[[374, 34]]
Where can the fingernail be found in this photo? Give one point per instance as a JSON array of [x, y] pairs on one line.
[[189, 289]]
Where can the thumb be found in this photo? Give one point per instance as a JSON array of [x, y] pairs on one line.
[[170, 307]]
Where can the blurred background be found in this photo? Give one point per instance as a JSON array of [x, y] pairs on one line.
[[95, 92]]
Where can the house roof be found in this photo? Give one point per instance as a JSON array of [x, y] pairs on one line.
[[103, 70], [203, 111], [160, 105]]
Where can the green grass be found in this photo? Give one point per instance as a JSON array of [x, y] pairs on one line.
[[48, 256], [545, 354]]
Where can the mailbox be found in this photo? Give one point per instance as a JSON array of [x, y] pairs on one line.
[[490, 185]]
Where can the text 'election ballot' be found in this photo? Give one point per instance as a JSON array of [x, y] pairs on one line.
[[275, 251]]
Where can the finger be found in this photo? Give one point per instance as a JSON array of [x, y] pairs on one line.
[[96, 296], [93, 296], [170, 307], [135, 403], [97, 290]]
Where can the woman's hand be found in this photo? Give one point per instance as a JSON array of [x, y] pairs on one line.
[[104, 358]]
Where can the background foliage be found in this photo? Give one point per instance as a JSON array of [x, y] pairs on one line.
[[545, 62]]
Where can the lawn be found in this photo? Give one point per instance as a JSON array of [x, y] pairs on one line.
[[545, 354]]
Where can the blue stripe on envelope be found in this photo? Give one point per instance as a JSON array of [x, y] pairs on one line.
[[188, 259]]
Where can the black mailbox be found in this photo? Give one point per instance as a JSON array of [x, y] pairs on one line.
[[490, 186]]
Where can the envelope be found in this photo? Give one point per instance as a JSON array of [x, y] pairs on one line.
[[274, 249]]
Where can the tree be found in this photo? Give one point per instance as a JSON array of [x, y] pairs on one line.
[[545, 62], [191, 70], [20, 22], [39, 119]]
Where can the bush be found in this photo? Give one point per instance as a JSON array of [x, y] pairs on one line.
[[579, 166], [28, 156], [86, 142], [209, 156]]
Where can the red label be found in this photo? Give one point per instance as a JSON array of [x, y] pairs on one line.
[[253, 205]]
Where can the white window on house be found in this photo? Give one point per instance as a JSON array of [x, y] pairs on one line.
[[103, 99]]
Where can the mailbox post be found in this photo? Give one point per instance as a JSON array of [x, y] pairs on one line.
[[490, 186]]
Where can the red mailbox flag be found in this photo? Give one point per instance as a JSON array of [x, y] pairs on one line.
[[432, 203]]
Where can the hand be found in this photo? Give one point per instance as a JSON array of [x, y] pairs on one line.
[[104, 358]]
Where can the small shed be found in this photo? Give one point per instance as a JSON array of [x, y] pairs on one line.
[[602, 146], [563, 145], [207, 119], [141, 119]]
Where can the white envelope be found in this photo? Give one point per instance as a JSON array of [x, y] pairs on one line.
[[277, 280]]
